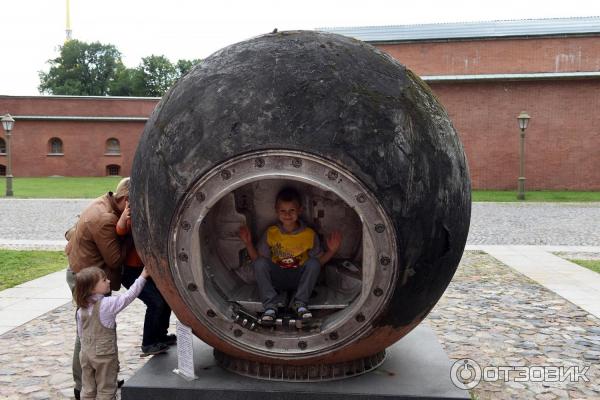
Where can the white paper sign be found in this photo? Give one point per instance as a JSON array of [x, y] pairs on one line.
[[185, 352]]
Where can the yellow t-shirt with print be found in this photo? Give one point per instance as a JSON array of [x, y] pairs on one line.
[[290, 250]]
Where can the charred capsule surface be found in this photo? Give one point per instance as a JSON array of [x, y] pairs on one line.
[[374, 155]]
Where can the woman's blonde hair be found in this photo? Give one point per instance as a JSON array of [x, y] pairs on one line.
[[85, 281], [122, 188]]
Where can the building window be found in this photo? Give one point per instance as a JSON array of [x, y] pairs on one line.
[[113, 147], [55, 146], [2, 170], [2, 146], [113, 170]]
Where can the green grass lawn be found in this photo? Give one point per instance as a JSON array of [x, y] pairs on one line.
[[546, 196], [60, 187], [594, 265], [18, 266], [91, 187]]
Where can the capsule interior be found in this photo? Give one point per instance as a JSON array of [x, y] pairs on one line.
[[228, 273]]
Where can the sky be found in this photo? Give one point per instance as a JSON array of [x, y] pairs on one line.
[[31, 31]]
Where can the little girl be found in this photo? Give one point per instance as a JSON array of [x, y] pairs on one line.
[[97, 330]]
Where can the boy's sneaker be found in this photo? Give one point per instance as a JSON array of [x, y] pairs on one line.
[[268, 317], [153, 349], [169, 340], [303, 313]]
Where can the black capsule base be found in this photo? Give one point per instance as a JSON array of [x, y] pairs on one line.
[[416, 367]]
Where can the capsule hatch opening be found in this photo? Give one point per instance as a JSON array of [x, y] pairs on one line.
[[228, 273]]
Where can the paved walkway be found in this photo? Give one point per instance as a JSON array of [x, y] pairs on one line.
[[579, 285], [489, 313], [544, 310], [35, 358], [571, 224], [38, 219], [22, 303], [499, 318]]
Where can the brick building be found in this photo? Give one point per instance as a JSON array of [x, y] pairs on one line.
[[484, 73], [74, 136]]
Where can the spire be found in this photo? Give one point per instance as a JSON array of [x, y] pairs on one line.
[[68, 21]]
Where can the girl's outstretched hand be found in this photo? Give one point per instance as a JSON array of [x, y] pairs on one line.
[[145, 273]]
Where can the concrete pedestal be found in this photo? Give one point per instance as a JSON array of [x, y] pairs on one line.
[[416, 367]]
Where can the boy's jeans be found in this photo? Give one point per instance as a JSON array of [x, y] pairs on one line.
[[269, 276]]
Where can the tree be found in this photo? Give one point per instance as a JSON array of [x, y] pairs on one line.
[[154, 76], [124, 83], [96, 69], [85, 69], [183, 66]]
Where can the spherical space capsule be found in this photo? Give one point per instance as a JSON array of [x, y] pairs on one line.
[[373, 154]]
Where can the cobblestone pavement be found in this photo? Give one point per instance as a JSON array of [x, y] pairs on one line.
[[574, 224], [490, 314], [38, 219], [35, 358], [569, 224], [498, 317]]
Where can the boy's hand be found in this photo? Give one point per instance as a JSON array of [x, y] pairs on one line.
[[145, 273], [245, 235], [334, 241]]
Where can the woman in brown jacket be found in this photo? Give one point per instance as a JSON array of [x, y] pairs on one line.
[[93, 242]]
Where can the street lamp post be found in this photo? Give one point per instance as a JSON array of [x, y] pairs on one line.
[[523, 119], [7, 123]]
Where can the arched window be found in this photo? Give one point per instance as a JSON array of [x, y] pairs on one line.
[[113, 146], [2, 170], [113, 170], [2, 146], [55, 146]]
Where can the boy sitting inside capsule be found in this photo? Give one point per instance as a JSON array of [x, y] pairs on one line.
[[288, 257]]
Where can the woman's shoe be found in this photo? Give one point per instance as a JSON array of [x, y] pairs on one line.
[[153, 349], [169, 340]]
